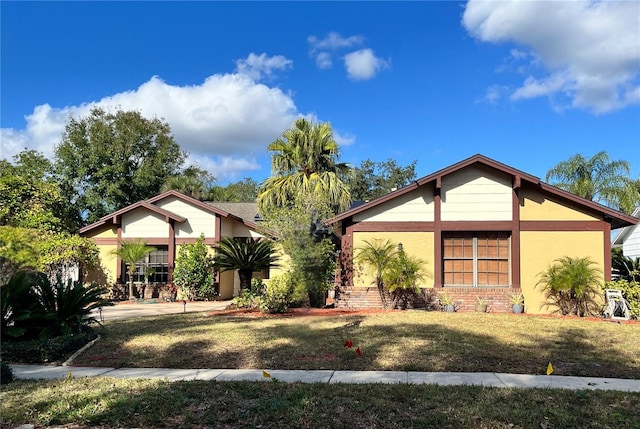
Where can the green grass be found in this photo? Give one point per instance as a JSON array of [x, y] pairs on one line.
[[410, 340], [112, 403]]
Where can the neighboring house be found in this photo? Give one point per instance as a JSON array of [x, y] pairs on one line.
[[484, 229], [628, 238], [166, 222]]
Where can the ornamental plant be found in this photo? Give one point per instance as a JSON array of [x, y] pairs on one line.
[[194, 272]]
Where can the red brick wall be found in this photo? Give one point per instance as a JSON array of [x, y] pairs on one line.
[[497, 299]]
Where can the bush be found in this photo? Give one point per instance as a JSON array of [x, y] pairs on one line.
[[247, 299], [630, 292], [6, 374], [278, 294], [572, 286], [194, 273], [45, 350]]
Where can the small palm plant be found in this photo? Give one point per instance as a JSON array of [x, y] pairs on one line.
[[377, 255], [246, 255], [402, 277], [572, 286], [131, 252]]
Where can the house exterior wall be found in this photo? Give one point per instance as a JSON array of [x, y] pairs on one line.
[[536, 206], [414, 206], [539, 249], [474, 201], [198, 220], [631, 245], [143, 223], [476, 194], [415, 244]]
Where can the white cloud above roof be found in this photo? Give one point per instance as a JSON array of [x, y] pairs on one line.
[[363, 64], [223, 122], [583, 54]]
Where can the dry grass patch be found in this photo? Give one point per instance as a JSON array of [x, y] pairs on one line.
[[113, 403], [410, 340]]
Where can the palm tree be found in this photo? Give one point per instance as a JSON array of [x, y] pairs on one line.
[[193, 182], [572, 285], [377, 256], [401, 278], [304, 160], [246, 255], [597, 179], [131, 252]]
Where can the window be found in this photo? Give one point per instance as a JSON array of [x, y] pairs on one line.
[[476, 259], [158, 261]]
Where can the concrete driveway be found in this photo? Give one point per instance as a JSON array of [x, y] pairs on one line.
[[126, 310]]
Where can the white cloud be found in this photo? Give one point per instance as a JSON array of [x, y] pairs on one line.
[[344, 139], [363, 64], [258, 66], [227, 119], [324, 61], [321, 48], [585, 52], [334, 41]]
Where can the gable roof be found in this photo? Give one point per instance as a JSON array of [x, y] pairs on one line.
[[622, 235], [615, 218], [247, 211], [150, 204]]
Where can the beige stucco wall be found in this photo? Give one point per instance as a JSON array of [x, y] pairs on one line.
[[540, 249], [198, 220], [142, 222], [476, 194], [414, 206], [535, 206], [106, 273], [105, 231], [416, 244]]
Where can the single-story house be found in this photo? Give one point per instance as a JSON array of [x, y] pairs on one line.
[[628, 238], [483, 228], [166, 222]]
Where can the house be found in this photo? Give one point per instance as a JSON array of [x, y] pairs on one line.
[[166, 222], [628, 238], [484, 229]]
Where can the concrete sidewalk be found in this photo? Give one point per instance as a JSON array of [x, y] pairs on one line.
[[126, 310], [329, 376]]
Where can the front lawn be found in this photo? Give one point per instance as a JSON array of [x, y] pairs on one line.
[[397, 340], [118, 403]]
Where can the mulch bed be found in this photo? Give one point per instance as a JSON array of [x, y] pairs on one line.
[[298, 312]]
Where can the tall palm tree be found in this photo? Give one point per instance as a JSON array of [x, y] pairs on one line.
[[304, 160], [597, 179], [376, 256], [246, 255], [131, 252]]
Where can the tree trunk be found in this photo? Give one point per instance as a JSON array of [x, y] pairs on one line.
[[245, 279]]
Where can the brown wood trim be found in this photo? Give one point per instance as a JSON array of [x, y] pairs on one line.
[[207, 241], [562, 225], [105, 240], [119, 277], [475, 226], [171, 254], [218, 228], [515, 238], [393, 227], [437, 240], [607, 251]]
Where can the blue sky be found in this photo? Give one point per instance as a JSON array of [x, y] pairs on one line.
[[526, 83]]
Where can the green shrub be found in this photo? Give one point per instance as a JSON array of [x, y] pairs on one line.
[[45, 350], [572, 286], [630, 292], [6, 374], [278, 294], [247, 299]]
